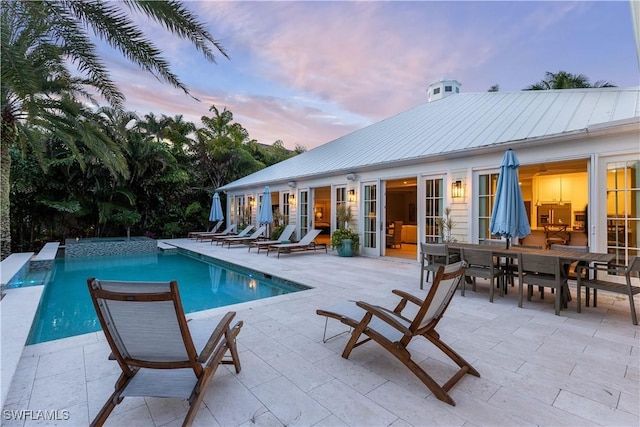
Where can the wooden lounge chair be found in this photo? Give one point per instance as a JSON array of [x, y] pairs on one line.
[[160, 353], [226, 232], [243, 233], [305, 244], [214, 229], [284, 237], [244, 240], [394, 332]]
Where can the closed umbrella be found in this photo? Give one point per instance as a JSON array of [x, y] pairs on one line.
[[509, 216], [216, 209], [265, 215]]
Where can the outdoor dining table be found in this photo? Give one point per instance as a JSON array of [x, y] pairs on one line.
[[566, 257]]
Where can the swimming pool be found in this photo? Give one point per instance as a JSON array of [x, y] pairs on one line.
[[66, 310]]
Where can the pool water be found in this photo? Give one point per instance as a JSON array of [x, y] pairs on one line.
[[66, 310]]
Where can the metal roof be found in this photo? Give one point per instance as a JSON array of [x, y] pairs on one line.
[[454, 124]]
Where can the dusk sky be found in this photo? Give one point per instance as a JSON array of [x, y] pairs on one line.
[[308, 72]]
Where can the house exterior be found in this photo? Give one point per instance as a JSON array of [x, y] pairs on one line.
[[579, 151]]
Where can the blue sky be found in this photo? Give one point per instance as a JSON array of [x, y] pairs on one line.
[[307, 72]]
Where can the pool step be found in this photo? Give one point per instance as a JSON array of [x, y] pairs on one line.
[[48, 252], [12, 265], [165, 246]]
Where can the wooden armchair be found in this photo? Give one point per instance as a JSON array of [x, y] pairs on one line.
[[394, 330], [556, 234], [160, 353]]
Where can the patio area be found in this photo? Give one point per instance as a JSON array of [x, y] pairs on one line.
[[576, 369]]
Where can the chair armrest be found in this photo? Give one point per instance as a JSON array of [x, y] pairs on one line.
[[407, 296], [216, 336], [387, 316], [609, 268]]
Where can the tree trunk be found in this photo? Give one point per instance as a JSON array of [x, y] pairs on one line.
[[6, 140]]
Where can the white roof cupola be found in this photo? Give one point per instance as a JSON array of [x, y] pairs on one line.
[[442, 88]]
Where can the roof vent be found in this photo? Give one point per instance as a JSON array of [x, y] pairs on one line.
[[442, 88]]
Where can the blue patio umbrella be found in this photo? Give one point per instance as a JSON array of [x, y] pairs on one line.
[[265, 215], [509, 216], [216, 209]]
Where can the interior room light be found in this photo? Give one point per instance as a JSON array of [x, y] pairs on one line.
[[457, 189], [352, 196]]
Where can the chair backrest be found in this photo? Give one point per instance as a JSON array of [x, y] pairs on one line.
[[309, 237], [258, 232], [542, 264], [434, 249], [287, 232], [144, 323], [229, 229], [440, 294], [477, 257], [246, 231], [216, 226]]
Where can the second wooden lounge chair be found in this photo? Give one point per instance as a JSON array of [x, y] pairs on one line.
[[160, 353], [305, 244], [245, 240], [394, 332], [285, 236], [208, 236]]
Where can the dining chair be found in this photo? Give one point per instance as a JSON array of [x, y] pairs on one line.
[[510, 267], [625, 288], [432, 256], [572, 269], [481, 263], [542, 271]]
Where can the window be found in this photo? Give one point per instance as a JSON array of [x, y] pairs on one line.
[[486, 197], [457, 90], [623, 210], [436, 91], [448, 89], [434, 206]]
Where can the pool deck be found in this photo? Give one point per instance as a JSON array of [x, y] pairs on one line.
[[576, 369]]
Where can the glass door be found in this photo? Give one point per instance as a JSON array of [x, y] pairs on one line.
[[303, 208], [371, 235]]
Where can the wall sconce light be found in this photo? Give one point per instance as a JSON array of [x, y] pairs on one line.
[[351, 197], [457, 189], [252, 202], [292, 198]]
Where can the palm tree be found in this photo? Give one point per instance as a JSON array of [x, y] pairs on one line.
[[564, 80], [40, 39]]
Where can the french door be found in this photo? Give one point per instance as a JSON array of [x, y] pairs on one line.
[[370, 216]]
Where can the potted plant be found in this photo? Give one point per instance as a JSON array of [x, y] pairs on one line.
[[446, 224], [345, 241]]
